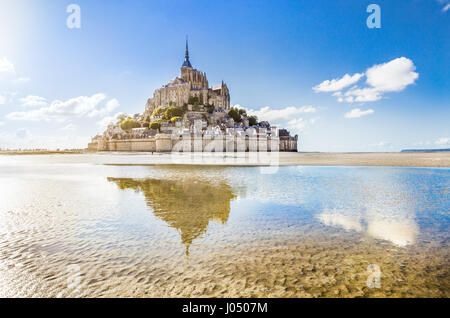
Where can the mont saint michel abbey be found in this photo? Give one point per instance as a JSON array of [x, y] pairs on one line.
[[188, 115], [191, 83]]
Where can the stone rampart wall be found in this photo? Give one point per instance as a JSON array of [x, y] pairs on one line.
[[165, 143]]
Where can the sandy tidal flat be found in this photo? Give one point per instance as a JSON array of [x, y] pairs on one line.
[[74, 226], [392, 159], [389, 159]]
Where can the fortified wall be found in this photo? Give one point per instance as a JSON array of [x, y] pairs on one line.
[[167, 143]]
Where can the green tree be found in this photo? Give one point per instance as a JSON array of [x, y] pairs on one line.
[[242, 111], [234, 113], [121, 118], [252, 120], [194, 101], [210, 108], [155, 125], [129, 123], [158, 111], [174, 119], [173, 112]]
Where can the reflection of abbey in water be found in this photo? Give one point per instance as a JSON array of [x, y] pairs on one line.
[[187, 206]]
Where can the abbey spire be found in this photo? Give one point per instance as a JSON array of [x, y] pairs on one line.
[[186, 63]]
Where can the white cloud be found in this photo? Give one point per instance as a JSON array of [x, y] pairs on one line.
[[422, 143], [23, 139], [63, 110], [269, 114], [444, 141], [297, 124], [338, 84], [380, 144], [70, 127], [22, 80], [393, 76], [291, 118], [33, 101], [6, 66], [22, 133], [110, 106], [357, 113], [361, 95], [104, 122], [441, 142], [446, 4], [1, 123], [7, 97]]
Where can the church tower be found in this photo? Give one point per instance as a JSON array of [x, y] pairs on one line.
[[195, 78], [186, 63]]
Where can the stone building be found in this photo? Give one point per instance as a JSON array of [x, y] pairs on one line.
[[190, 87], [207, 125]]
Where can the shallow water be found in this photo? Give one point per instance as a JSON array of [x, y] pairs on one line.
[[71, 226]]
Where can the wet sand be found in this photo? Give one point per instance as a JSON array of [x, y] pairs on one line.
[[388, 159], [40, 152], [94, 230], [316, 267], [392, 159]]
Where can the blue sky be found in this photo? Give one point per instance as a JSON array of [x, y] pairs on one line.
[[58, 86]]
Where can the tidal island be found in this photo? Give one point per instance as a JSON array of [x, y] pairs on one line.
[[188, 115]]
